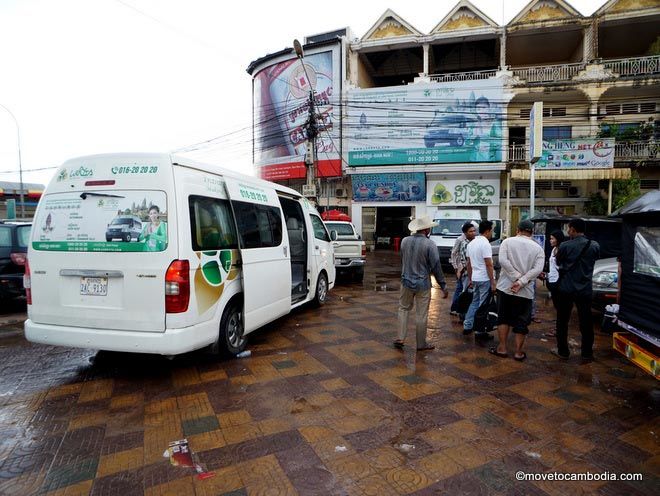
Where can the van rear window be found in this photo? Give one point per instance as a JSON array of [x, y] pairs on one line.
[[105, 221]]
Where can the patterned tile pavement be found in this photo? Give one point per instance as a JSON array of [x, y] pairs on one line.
[[325, 405]]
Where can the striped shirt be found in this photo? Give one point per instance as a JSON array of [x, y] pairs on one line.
[[420, 259]]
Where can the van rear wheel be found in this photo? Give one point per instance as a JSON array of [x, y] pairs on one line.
[[232, 339], [321, 290]]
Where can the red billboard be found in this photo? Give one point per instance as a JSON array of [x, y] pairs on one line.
[[281, 111]]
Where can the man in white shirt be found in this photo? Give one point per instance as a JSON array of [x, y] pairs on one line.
[[522, 261], [481, 276]]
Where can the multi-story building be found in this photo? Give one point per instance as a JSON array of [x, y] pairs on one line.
[[414, 122]]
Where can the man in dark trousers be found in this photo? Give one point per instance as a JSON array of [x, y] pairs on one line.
[[419, 259], [575, 260]]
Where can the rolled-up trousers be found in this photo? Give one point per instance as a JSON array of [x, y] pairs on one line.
[[421, 300]]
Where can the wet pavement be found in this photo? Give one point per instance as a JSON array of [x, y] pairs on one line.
[[325, 405]]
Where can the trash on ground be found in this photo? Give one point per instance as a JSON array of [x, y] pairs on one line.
[[533, 454], [244, 354], [340, 449], [406, 448], [181, 455]]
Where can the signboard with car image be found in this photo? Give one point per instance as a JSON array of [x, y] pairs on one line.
[[114, 221], [426, 123]]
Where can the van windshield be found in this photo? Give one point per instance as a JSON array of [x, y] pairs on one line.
[[448, 226], [118, 221], [121, 220]]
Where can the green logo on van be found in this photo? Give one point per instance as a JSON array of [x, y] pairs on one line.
[[81, 171]]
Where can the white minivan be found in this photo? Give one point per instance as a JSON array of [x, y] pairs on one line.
[[219, 255]]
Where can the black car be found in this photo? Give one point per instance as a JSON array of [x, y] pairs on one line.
[[14, 238]]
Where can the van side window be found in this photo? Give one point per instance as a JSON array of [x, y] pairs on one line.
[[211, 223], [260, 226], [320, 232]]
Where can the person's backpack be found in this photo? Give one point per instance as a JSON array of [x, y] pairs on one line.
[[485, 320]]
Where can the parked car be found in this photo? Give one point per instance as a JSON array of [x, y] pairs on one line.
[[14, 238], [124, 227], [605, 283], [350, 250]]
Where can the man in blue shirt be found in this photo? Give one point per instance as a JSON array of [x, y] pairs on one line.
[[419, 259]]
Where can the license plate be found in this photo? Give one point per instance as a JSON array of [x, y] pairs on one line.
[[94, 286]]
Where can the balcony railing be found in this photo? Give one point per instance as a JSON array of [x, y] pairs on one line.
[[462, 76], [626, 150], [548, 73], [636, 66]]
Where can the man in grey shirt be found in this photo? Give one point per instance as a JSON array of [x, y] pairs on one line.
[[419, 259], [522, 261]]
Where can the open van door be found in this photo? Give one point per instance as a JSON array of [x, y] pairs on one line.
[[264, 248]]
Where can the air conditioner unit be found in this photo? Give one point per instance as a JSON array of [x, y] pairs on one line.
[[309, 190], [574, 192], [341, 193]]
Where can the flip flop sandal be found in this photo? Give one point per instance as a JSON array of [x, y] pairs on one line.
[[426, 348], [493, 351], [520, 358], [398, 344]]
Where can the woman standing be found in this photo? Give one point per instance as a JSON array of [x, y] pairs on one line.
[[154, 234], [552, 278]]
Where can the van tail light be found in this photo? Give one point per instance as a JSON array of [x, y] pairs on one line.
[[18, 258], [364, 250], [177, 286], [27, 282]]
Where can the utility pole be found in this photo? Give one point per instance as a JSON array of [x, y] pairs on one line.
[[20, 165], [311, 127]]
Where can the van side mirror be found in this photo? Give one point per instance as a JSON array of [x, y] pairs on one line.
[[359, 237], [333, 235]]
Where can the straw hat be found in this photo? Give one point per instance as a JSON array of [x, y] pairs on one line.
[[421, 223]]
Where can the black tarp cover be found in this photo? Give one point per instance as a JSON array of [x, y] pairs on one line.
[[640, 292]]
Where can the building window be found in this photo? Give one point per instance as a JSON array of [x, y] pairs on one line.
[[556, 132]]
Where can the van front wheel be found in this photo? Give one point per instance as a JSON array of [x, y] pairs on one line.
[[232, 339], [321, 290]]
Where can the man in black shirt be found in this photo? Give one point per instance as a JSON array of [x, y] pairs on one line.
[[576, 259]]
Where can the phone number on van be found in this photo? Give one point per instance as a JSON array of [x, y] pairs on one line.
[[136, 169]]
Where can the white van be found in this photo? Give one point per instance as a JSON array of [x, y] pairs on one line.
[[219, 255], [449, 228]]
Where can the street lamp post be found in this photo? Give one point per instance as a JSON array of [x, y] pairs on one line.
[[311, 127], [20, 166]]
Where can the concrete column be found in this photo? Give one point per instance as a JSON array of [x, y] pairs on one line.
[[353, 69], [503, 51], [593, 118], [588, 37], [425, 46]]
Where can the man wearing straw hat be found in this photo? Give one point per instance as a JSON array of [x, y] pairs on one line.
[[419, 259]]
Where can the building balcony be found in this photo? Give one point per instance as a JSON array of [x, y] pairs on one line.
[[635, 66], [548, 73], [623, 151], [462, 76]]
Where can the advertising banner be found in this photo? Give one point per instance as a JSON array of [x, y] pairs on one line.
[[463, 192], [124, 221], [426, 123], [577, 154], [281, 110], [389, 187]]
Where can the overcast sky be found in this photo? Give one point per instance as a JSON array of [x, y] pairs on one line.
[[96, 76]]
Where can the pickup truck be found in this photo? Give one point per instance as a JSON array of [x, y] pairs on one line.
[[350, 250]]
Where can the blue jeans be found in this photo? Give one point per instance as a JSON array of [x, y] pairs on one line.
[[480, 291]]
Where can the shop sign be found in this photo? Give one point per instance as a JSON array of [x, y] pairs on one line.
[[463, 192], [577, 154], [406, 187], [454, 122]]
